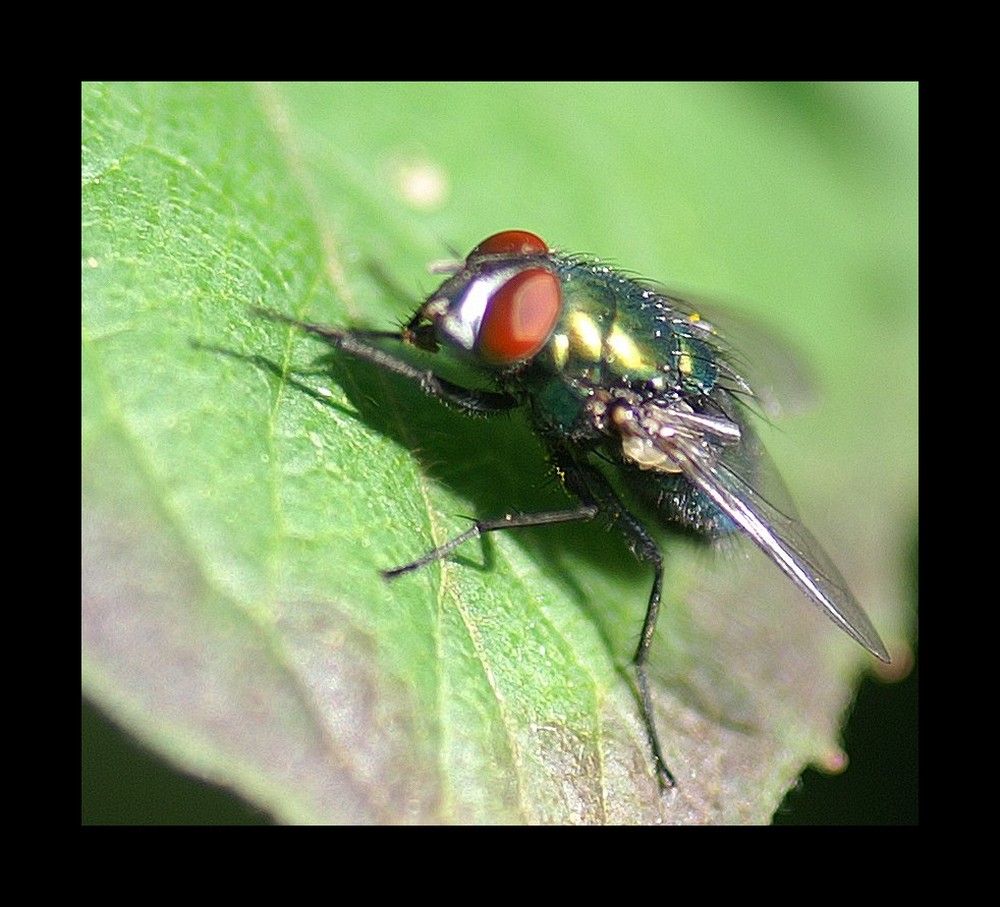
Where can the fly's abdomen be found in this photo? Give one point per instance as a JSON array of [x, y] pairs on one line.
[[678, 504]]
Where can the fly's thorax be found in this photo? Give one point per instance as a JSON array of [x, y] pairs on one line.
[[613, 331], [615, 340]]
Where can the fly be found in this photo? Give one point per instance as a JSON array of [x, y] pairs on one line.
[[610, 370]]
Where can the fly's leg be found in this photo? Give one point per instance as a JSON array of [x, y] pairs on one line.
[[507, 521], [593, 489], [470, 401]]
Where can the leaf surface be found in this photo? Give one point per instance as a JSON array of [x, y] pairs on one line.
[[241, 490]]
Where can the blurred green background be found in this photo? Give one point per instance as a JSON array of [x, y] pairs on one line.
[[793, 203]]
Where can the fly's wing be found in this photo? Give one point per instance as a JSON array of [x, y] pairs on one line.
[[724, 460]]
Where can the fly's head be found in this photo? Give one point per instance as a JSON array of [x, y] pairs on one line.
[[499, 309]]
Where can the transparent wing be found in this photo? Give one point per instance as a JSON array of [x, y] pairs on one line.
[[725, 461]]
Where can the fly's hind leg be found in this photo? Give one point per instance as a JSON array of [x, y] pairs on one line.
[[596, 497], [593, 489]]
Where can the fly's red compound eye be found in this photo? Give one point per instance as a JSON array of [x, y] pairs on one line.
[[520, 316], [511, 242]]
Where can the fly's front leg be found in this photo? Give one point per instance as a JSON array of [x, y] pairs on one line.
[[471, 401], [591, 487]]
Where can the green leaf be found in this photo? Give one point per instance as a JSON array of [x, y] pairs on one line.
[[241, 489]]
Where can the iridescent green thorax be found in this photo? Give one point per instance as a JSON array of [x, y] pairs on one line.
[[614, 335]]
